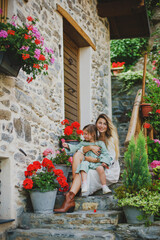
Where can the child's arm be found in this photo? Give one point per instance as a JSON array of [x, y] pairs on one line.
[[73, 148]]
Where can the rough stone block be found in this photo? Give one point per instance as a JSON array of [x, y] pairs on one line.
[[5, 115]]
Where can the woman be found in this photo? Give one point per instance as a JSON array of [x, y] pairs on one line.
[[108, 134]]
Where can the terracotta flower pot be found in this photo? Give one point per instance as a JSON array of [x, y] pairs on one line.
[[146, 109]]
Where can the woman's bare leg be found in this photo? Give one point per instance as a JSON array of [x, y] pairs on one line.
[[76, 184], [77, 159]]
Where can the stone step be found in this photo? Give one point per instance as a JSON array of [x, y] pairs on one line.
[[50, 234], [85, 220], [96, 201]]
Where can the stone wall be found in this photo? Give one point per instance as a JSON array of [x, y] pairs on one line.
[[30, 114], [122, 106]]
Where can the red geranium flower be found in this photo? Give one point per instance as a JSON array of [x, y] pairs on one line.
[[68, 130], [146, 125], [37, 41], [75, 125], [27, 36], [36, 66], [42, 57], [29, 18], [79, 132], [28, 183], [11, 32], [158, 111], [25, 56], [64, 122]]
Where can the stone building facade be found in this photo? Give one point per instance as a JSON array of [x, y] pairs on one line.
[[30, 114]]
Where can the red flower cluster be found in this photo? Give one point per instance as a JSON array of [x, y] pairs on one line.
[[32, 169], [146, 125], [118, 64], [71, 132], [158, 111]]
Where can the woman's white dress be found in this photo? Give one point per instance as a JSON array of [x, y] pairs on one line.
[[112, 174]]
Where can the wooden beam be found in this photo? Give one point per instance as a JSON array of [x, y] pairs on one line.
[[119, 7], [144, 76], [75, 26]]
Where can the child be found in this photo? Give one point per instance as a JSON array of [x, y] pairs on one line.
[[101, 162]]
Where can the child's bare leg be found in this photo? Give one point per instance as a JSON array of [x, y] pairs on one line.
[[101, 174], [84, 181], [102, 177], [84, 176]]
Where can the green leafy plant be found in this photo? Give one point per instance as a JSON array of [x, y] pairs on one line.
[[127, 50], [62, 157], [136, 174], [147, 201], [137, 189], [25, 45], [132, 78], [153, 150]]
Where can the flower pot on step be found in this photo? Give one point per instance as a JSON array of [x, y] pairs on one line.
[[132, 213], [43, 202]]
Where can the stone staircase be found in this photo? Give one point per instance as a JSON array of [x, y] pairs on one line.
[[95, 217]]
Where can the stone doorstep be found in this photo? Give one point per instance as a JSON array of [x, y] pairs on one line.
[[50, 234], [88, 220]]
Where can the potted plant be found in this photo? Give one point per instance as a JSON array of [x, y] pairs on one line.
[[152, 98], [71, 133], [117, 67], [42, 180], [22, 46], [137, 196], [61, 160]]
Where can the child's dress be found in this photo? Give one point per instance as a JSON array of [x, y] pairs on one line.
[[104, 157]]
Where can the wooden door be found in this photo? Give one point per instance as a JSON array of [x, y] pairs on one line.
[[71, 84], [3, 6]]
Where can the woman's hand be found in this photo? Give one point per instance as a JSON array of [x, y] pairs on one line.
[[105, 165], [96, 149], [92, 159]]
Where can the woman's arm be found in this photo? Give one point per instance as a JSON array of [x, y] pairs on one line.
[[94, 148]]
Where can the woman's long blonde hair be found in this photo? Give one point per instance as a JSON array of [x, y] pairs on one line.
[[111, 132]]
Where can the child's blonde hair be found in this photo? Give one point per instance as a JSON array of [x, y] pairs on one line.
[[91, 129]]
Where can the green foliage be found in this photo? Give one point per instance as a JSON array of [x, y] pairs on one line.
[[131, 78], [127, 50], [136, 174], [61, 158], [146, 200], [44, 181], [156, 172], [153, 150]]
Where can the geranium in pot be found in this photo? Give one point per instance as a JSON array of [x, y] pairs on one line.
[[61, 160], [71, 133], [152, 98], [42, 181], [22, 46], [137, 196]]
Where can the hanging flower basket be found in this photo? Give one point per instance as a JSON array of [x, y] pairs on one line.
[[9, 63]]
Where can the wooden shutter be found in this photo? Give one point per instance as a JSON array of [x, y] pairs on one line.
[[71, 88], [3, 6]]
